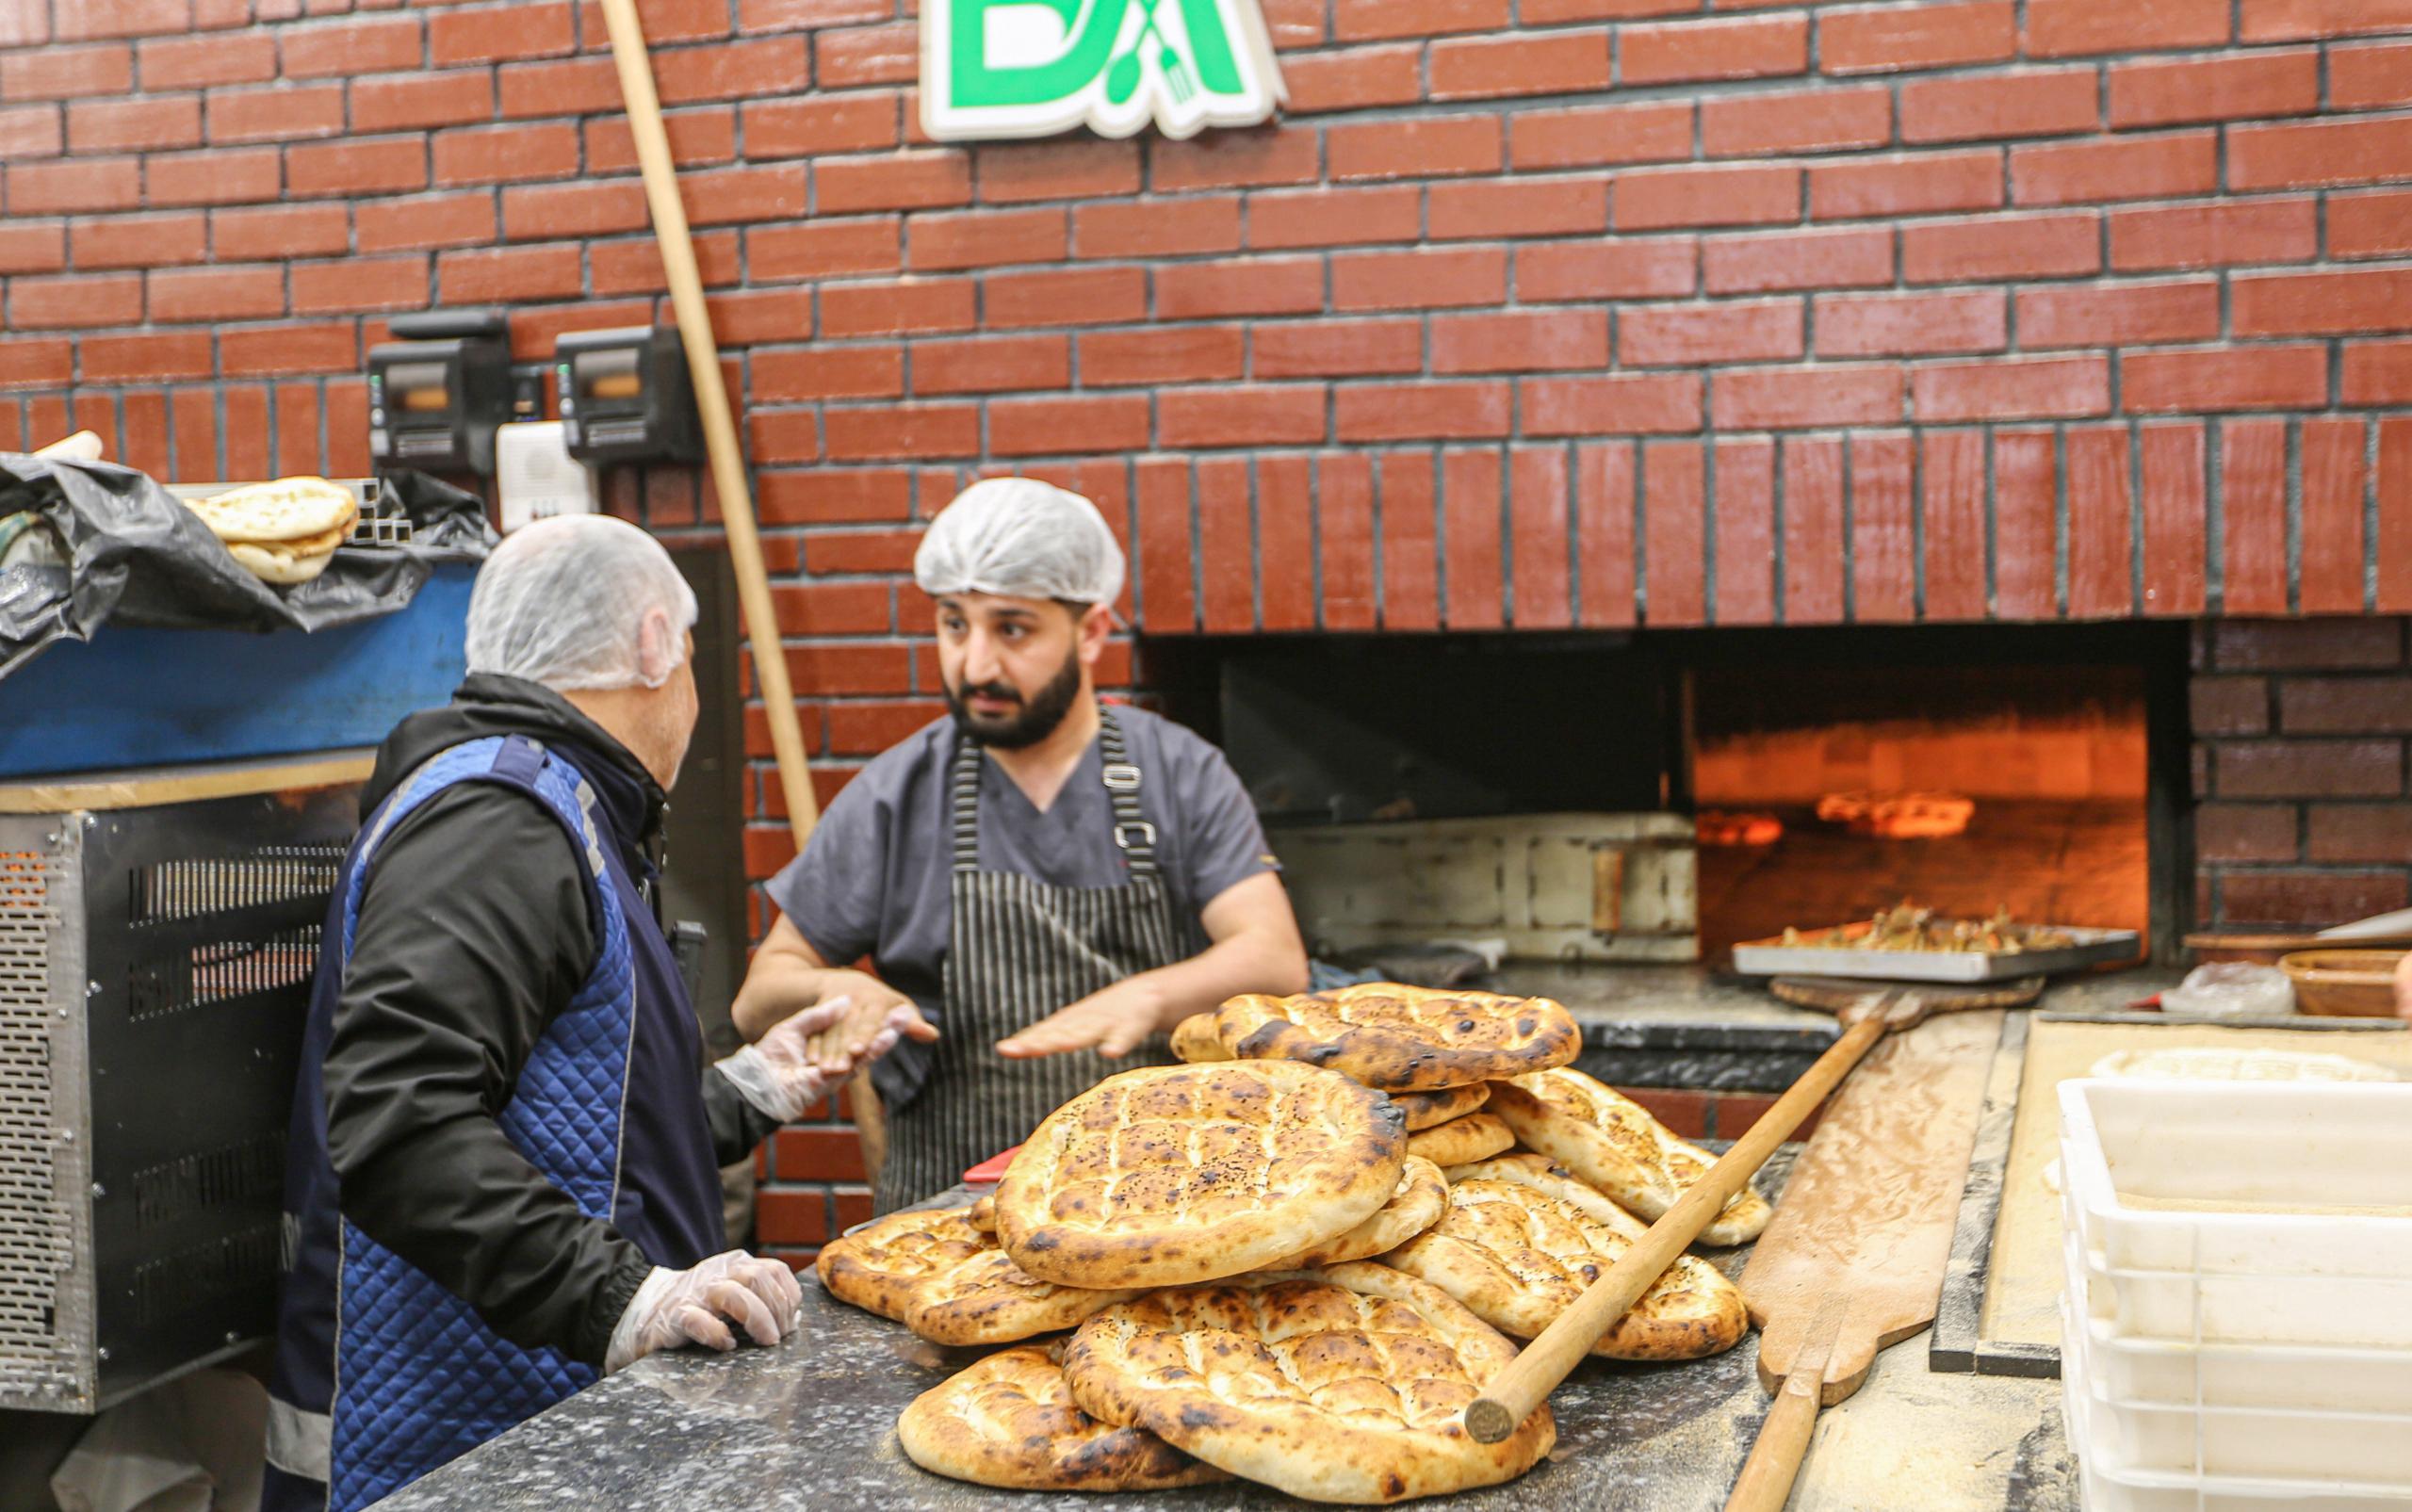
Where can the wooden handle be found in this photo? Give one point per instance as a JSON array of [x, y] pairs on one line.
[[1533, 1374], [711, 405], [1783, 1443]]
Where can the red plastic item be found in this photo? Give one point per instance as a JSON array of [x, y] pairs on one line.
[[991, 1171]]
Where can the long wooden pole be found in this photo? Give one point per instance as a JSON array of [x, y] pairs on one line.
[[712, 403], [1534, 1374]]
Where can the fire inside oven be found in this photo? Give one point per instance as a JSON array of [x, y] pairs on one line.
[[1828, 794]]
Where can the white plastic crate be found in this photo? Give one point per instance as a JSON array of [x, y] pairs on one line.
[[2209, 1276], [2238, 1360], [2168, 1372], [2266, 1444]]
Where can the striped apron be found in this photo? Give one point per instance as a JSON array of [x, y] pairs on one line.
[[1019, 949]]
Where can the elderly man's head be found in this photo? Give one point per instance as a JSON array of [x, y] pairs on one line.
[[1023, 574], [592, 609]]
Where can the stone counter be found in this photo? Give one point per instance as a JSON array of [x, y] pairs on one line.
[[1708, 1030], [810, 1424]]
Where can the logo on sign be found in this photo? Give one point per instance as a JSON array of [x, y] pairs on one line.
[[1032, 68]]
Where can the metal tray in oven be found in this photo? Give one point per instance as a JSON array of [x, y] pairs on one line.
[[1772, 958]]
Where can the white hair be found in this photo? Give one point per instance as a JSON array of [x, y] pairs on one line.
[[580, 601], [1023, 539]]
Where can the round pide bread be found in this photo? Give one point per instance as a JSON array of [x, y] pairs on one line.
[[1477, 1136], [1010, 1421], [1400, 1038], [1521, 1239], [1425, 1110], [1194, 1040], [290, 509], [989, 1300], [1422, 1197], [1612, 1143], [273, 565], [1171, 1174], [878, 1266], [1345, 1384]]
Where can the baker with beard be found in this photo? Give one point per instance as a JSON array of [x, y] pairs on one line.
[[1043, 884]]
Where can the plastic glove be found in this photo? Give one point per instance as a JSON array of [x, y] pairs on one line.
[[778, 1074], [674, 1308]]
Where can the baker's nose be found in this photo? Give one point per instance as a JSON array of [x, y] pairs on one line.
[[981, 662]]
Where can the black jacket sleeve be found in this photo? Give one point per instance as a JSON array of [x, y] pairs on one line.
[[473, 931], [736, 1126]]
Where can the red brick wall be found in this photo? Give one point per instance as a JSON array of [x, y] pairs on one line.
[[2306, 816], [1565, 312]]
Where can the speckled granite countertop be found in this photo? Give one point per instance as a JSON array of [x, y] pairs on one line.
[[1690, 1027], [1697, 1005], [810, 1424]]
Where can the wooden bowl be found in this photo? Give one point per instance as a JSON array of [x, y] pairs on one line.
[[2343, 984]]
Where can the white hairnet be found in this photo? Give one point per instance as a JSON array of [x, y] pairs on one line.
[[1022, 538], [580, 601]]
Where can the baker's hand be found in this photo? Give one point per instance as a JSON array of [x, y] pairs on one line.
[[1113, 1022], [709, 1304], [879, 1015], [2404, 987], [780, 1073]]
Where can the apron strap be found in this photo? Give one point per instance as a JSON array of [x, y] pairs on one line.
[[1131, 832]]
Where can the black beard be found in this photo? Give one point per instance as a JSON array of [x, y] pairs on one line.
[[1036, 721]]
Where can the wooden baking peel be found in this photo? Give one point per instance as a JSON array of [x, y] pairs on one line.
[[1530, 1378], [1854, 1258]]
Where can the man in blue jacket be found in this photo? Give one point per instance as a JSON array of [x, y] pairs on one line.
[[505, 1145]]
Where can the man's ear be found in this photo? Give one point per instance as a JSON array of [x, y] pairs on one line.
[[1096, 623]]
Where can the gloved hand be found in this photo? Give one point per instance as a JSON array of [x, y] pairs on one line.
[[778, 1073], [674, 1308]]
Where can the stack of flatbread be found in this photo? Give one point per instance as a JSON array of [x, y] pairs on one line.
[[281, 533], [1206, 1227]]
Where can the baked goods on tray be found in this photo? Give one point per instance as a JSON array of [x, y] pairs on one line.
[[1010, 1421], [1401, 1038], [1521, 1239], [1613, 1143], [1345, 1384], [1910, 927], [1477, 1136], [1171, 1174]]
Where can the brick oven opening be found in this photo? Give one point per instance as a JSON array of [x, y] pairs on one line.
[[1828, 793], [2068, 746]]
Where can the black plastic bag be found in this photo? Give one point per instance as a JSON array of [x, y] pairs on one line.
[[123, 548]]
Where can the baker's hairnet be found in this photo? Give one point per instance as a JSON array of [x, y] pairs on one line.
[[1022, 538], [580, 601]]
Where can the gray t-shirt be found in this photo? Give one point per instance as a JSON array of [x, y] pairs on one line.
[[873, 880]]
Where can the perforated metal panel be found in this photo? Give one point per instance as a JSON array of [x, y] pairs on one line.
[[45, 1271], [154, 973]]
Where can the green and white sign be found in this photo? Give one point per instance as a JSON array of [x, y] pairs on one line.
[[1032, 68]]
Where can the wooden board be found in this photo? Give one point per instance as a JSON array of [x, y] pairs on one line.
[[2024, 1275], [103, 790], [1854, 1258]]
